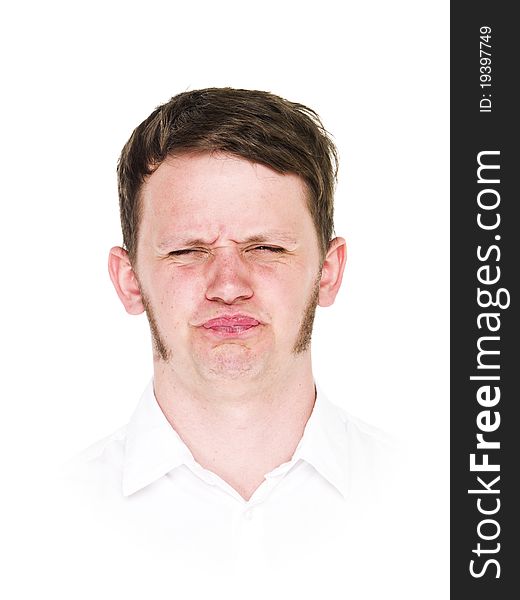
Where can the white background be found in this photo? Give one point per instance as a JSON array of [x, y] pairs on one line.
[[77, 78]]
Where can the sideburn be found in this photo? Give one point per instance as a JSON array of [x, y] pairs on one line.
[[160, 350], [303, 340]]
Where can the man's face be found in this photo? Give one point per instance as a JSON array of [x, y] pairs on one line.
[[228, 265]]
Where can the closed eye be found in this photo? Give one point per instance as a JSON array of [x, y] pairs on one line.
[[269, 249], [185, 251]]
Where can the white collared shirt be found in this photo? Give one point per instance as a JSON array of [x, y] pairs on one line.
[[312, 522]]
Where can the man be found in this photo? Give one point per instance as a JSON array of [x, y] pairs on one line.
[[233, 459]]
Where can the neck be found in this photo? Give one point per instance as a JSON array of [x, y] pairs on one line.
[[239, 430]]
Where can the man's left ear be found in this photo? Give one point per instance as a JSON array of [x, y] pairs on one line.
[[332, 271]]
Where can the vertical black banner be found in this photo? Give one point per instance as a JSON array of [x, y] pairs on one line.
[[485, 268]]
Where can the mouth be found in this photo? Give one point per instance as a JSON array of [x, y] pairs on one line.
[[230, 326]]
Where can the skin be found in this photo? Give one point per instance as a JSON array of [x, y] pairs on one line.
[[240, 402]]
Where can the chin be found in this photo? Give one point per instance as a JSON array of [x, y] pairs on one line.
[[231, 362]]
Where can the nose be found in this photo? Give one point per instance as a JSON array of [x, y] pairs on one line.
[[229, 278]]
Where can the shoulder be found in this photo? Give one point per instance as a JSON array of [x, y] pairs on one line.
[[98, 466], [367, 439], [373, 456]]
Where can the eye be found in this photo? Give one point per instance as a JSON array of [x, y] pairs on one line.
[[189, 255], [188, 251], [183, 251], [275, 249]]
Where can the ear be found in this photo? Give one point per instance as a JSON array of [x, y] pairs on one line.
[[124, 280], [332, 271]]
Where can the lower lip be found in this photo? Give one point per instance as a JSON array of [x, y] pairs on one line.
[[231, 331]]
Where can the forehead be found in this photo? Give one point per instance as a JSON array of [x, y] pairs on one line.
[[219, 194]]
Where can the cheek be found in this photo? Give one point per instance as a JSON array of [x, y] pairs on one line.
[[175, 295], [285, 298]]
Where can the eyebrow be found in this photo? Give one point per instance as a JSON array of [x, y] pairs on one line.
[[268, 236]]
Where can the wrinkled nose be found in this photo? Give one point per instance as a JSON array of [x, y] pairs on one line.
[[228, 277]]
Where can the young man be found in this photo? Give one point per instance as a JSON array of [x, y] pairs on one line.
[[234, 461]]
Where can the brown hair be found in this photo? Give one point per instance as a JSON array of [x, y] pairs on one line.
[[255, 125]]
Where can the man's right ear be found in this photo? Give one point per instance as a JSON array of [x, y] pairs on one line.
[[124, 280]]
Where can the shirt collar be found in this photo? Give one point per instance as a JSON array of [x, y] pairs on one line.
[[153, 448], [324, 443]]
